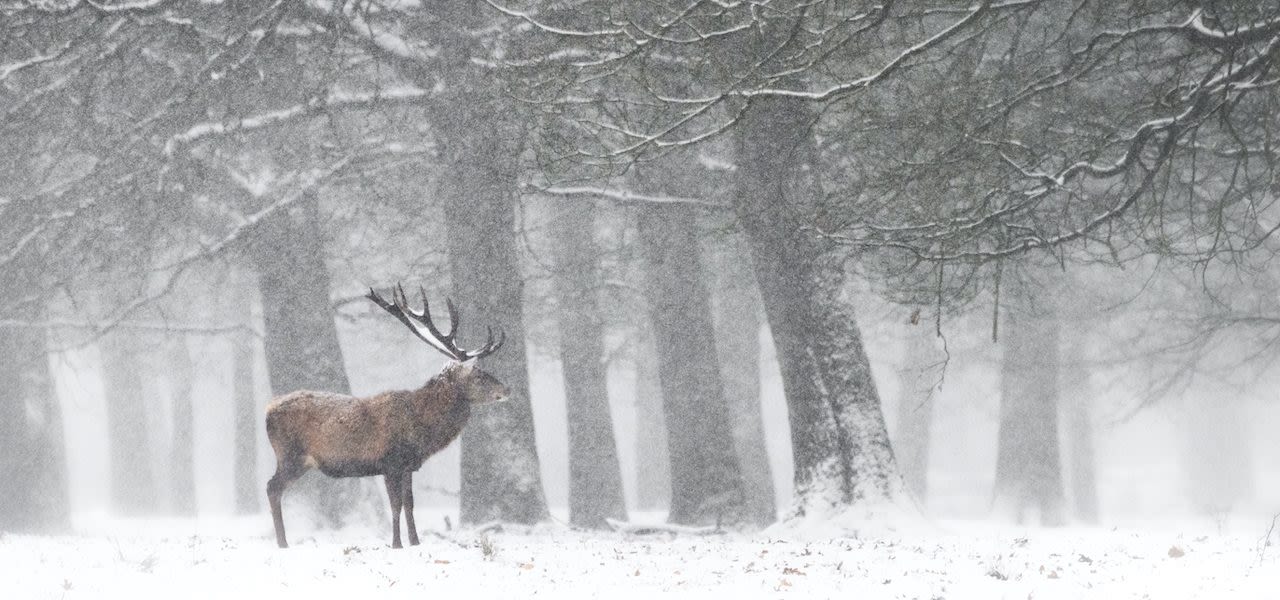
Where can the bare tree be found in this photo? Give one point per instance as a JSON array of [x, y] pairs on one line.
[[595, 479], [1028, 484], [32, 455], [738, 322], [182, 468], [706, 480]]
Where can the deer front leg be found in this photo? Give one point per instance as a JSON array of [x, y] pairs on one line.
[[407, 494], [394, 495]]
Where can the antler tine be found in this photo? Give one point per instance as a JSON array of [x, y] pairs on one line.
[[399, 308], [445, 343], [490, 346], [455, 316]]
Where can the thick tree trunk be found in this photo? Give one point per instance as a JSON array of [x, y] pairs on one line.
[[706, 480], [1077, 405], [1028, 484], [33, 469], [653, 463], [838, 437], [500, 473], [182, 482], [919, 375], [300, 337], [595, 481], [738, 320], [244, 401], [133, 484], [482, 137]]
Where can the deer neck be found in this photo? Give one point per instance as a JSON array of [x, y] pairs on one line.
[[442, 404]]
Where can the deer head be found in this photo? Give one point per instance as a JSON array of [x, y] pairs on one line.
[[480, 387]]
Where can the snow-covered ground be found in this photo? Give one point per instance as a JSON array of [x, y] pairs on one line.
[[236, 558]]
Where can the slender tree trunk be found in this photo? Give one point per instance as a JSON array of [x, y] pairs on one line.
[[300, 337], [133, 484], [706, 480], [1028, 482], [838, 437], [738, 320], [920, 372], [653, 463], [33, 496], [1077, 405], [595, 481], [182, 483], [244, 400]]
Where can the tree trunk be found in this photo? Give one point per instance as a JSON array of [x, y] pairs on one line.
[[300, 337], [595, 481], [182, 483], [737, 316], [706, 480], [500, 473], [653, 464], [244, 399], [838, 437], [33, 497], [1028, 484], [133, 484], [920, 373], [1080, 432]]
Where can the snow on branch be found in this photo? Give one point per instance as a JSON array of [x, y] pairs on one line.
[[528, 18], [626, 196], [407, 95], [889, 68], [14, 67], [1248, 34], [135, 6]]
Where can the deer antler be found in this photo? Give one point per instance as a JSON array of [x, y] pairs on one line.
[[400, 309]]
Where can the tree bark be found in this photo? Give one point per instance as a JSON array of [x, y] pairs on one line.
[[915, 408], [653, 463], [595, 481], [1077, 405], [33, 468], [738, 320], [182, 483], [838, 437], [244, 399], [133, 484], [706, 480], [482, 140], [300, 337], [1028, 482]]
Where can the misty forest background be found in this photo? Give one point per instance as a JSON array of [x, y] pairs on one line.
[[755, 259]]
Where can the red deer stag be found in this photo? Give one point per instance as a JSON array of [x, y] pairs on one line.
[[390, 434]]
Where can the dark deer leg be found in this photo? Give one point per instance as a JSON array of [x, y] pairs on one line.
[[394, 489], [407, 486], [285, 474]]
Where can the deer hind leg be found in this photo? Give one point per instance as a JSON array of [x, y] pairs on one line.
[[394, 488], [286, 472], [406, 484]]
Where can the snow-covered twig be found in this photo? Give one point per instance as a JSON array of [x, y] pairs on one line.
[[625, 196], [313, 107]]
